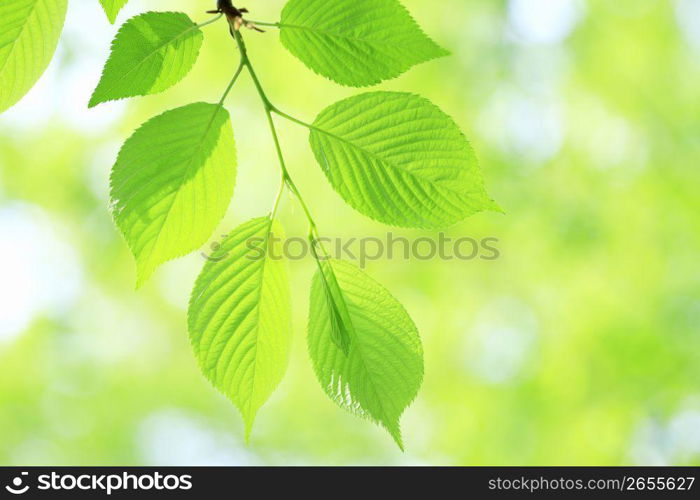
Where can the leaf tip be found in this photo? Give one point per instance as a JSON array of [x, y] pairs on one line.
[[248, 420], [493, 206], [95, 98], [143, 273], [395, 431], [441, 51]]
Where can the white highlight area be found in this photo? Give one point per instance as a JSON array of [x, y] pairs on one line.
[[39, 272], [543, 21], [176, 438], [688, 15]]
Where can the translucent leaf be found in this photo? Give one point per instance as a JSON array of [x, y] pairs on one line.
[[239, 317], [151, 53], [173, 182], [355, 42], [399, 159], [381, 374], [29, 32], [340, 322], [112, 8]]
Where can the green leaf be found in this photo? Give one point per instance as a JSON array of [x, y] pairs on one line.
[[355, 42], [342, 329], [399, 159], [239, 317], [112, 8], [151, 53], [29, 32], [381, 374], [173, 182]]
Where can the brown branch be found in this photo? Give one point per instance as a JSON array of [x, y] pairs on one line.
[[234, 15]]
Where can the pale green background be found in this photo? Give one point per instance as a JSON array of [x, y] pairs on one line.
[[580, 345]]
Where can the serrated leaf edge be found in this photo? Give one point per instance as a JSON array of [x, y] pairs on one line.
[[93, 103]]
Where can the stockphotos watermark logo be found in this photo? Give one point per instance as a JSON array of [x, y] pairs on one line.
[[363, 250], [100, 483], [18, 485]]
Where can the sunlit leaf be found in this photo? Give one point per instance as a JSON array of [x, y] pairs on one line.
[[151, 53], [112, 8], [399, 159], [355, 42], [380, 375], [239, 317], [29, 32], [173, 182]]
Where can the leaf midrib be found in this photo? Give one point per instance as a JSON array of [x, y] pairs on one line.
[[382, 160], [21, 32], [257, 316], [184, 176], [358, 346]]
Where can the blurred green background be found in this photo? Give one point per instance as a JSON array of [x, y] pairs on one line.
[[580, 345]]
